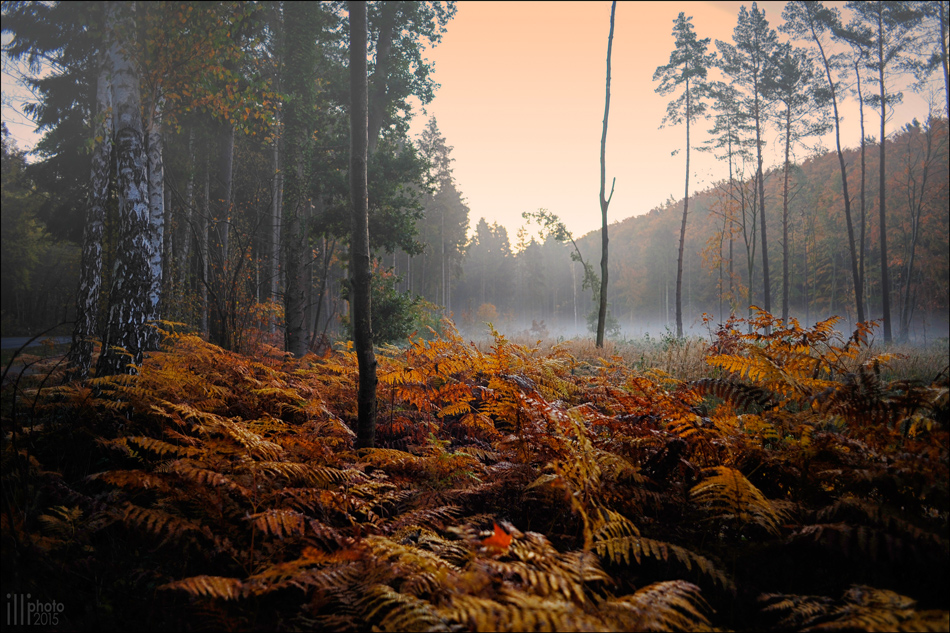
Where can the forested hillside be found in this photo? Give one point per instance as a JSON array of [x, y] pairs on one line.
[[533, 280]]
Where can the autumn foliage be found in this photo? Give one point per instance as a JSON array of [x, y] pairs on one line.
[[514, 489]]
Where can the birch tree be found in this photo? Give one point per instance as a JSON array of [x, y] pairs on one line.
[[127, 334]]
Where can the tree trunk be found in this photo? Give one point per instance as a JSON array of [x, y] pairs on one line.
[[882, 205], [856, 277], [90, 280], [359, 247], [766, 282], [127, 333], [156, 209], [219, 228], [605, 201], [679, 259], [788, 142]]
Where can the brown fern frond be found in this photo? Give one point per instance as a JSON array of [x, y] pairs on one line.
[[158, 523], [739, 395], [132, 480], [728, 495], [162, 449], [519, 612], [279, 523], [208, 586], [391, 610], [673, 605], [629, 549]]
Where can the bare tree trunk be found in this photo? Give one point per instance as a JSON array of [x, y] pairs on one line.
[[219, 228], [856, 277], [788, 142], [882, 203], [359, 248], [679, 259], [605, 202], [90, 280]]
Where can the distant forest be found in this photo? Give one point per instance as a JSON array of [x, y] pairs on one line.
[[248, 194], [719, 241]]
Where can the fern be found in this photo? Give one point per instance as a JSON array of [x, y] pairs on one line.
[[728, 496]]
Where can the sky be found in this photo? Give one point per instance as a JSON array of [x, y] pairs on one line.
[[522, 103]]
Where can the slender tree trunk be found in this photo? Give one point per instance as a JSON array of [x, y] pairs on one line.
[[186, 223], [679, 259], [359, 247], [204, 246], [605, 201], [882, 204], [942, 10], [863, 231], [766, 282], [90, 280], [856, 279], [127, 333], [156, 208], [788, 142], [219, 229]]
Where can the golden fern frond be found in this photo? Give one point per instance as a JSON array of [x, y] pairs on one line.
[[299, 474], [204, 476], [208, 586], [279, 523], [673, 605], [395, 611], [519, 612], [543, 582], [628, 549], [728, 495]]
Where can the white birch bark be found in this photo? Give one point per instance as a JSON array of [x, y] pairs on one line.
[[127, 333], [156, 211], [90, 281]]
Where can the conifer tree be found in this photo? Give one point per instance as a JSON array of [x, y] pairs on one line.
[[687, 68]]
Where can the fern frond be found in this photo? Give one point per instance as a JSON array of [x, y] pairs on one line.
[[208, 586], [158, 523], [673, 605], [395, 611], [728, 495], [279, 523], [629, 549]]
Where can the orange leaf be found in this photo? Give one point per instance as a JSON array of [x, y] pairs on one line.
[[499, 540]]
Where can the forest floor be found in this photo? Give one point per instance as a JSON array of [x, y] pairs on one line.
[[787, 479]]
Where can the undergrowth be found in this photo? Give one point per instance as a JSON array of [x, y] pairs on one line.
[[512, 488]]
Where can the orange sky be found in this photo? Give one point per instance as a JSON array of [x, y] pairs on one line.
[[522, 102]]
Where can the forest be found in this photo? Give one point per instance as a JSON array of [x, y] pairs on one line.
[[305, 389]]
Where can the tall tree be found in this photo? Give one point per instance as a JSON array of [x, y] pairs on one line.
[[811, 21], [803, 103], [361, 276], [888, 32], [748, 62], [302, 28], [605, 200], [687, 68], [127, 334], [90, 280]]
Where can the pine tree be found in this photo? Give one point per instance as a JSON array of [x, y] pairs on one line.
[[687, 68]]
